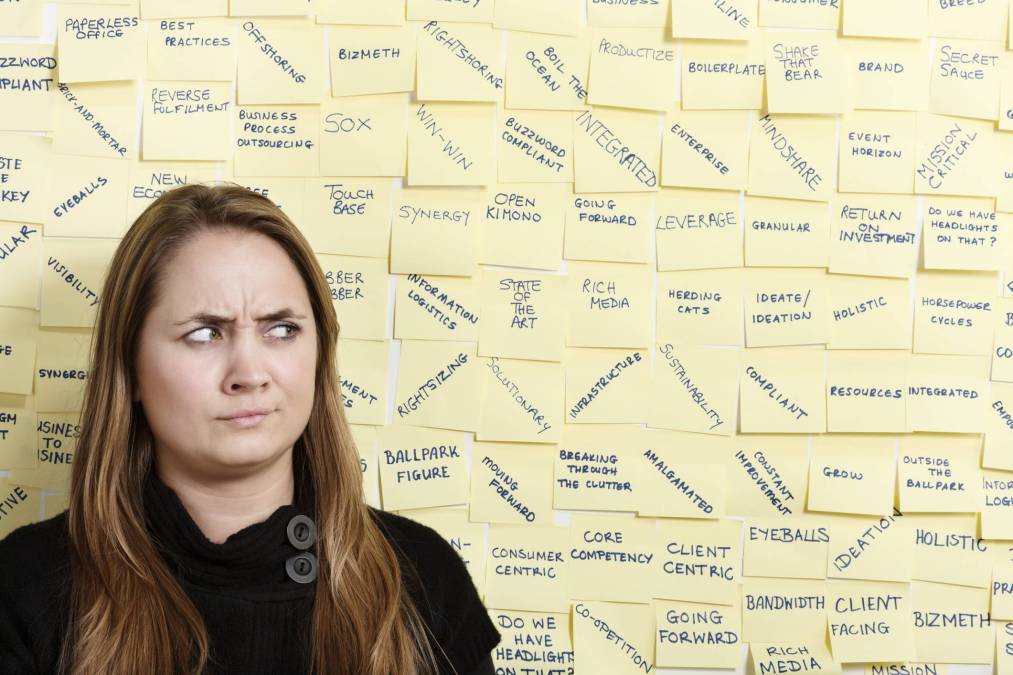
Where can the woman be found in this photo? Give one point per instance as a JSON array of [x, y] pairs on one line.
[[216, 519]]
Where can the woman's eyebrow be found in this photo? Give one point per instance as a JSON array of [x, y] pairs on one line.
[[208, 317]]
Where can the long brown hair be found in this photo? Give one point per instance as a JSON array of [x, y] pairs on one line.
[[127, 611]]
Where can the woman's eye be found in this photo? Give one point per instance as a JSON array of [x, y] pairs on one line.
[[201, 330], [293, 327]]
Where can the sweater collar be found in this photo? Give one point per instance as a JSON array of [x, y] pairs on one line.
[[251, 559]]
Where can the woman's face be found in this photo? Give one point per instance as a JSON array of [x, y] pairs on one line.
[[219, 341]]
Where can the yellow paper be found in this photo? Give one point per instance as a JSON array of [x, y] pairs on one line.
[[549, 630], [869, 312], [17, 360], [368, 446], [55, 453], [697, 229], [696, 635], [561, 16], [616, 150], [547, 72], [358, 289], [523, 315], [794, 547], [96, 119], [782, 390], [606, 385], [595, 467], [364, 135], [1001, 606], [21, 272], [363, 366], [528, 568], [61, 368], [776, 609], [72, 279], [767, 475], [148, 180], [23, 19], [698, 561], [277, 140], [852, 474], [901, 19], [705, 149], [436, 308], [191, 48], [451, 144], [873, 235], [524, 226], [947, 550], [689, 392], [805, 72], [346, 216], [507, 483], [598, 651], [168, 9], [877, 548], [435, 232], [985, 20], [867, 392], [609, 227], [953, 312], [783, 657], [535, 146], [609, 305], [722, 75], [700, 307], [951, 623], [786, 307], [954, 156], [436, 385], [877, 152], [437, 9], [939, 473], [187, 120], [88, 197], [618, 548], [99, 43], [998, 450], [888, 74], [465, 537], [23, 505], [786, 233], [297, 77], [995, 515], [792, 157], [632, 68], [965, 78], [521, 401], [821, 14], [965, 234], [459, 62], [421, 467], [682, 475], [30, 104], [377, 13], [372, 60], [718, 21], [870, 621]]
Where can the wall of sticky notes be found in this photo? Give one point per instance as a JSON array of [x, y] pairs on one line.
[[688, 323]]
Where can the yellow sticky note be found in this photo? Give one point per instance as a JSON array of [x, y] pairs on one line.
[[616, 150], [436, 385], [421, 467], [954, 312], [792, 157], [561, 16], [98, 119], [701, 307], [697, 635], [148, 180], [17, 363], [632, 68], [965, 234], [297, 77], [867, 392], [602, 14], [364, 135], [459, 62], [359, 293], [466, 538], [22, 19], [595, 467], [782, 391], [773, 609], [72, 279], [521, 401], [939, 473], [551, 630], [99, 42], [523, 225], [58, 351], [954, 156], [25, 509], [705, 149], [947, 393], [618, 548], [546, 72], [55, 453], [821, 14], [717, 21], [947, 549], [436, 308], [805, 72], [508, 483], [698, 561], [985, 20], [596, 651], [877, 548], [900, 19], [1001, 606], [606, 385], [722, 75], [682, 475], [697, 229], [966, 78], [368, 446], [690, 390], [782, 657], [435, 231], [873, 235], [888, 74], [277, 140], [535, 146], [523, 315], [767, 475], [88, 197], [347, 216], [995, 518], [30, 105], [794, 547], [869, 312], [877, 152], [998, 450], [451, 144], [852, 473], [363, 366], [786, 307], [194, 48], [378, 13], [786, 233], [371, 59], [529, 568], [613, 227], [608, 305], [187, 120], [417, 10], [951, 623], [870, 621]]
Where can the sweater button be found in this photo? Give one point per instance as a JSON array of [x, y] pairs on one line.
[[302, 568], [301, 532]]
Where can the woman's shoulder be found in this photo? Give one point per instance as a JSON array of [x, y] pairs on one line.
[[35, 552]]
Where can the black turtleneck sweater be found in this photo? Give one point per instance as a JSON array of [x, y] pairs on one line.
[[258, 617]]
